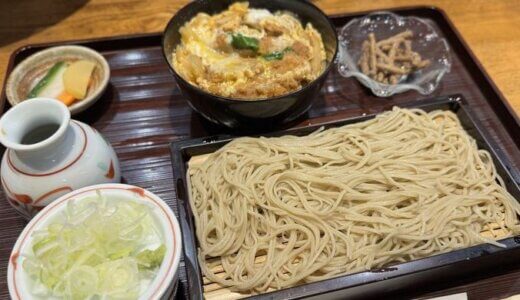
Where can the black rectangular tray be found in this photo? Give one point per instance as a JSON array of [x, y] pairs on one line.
[[378, 281]]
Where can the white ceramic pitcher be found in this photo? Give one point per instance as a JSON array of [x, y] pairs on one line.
[[49, 155]]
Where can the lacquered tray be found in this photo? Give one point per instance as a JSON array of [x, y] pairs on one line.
[[142, 112]]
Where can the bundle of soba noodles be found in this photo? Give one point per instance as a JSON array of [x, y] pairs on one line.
[[276, 212]]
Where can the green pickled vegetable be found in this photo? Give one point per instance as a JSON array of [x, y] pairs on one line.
[[99, 249], [51, 83], [243, 42]]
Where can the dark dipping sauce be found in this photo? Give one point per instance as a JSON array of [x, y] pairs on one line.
[[39, 134]]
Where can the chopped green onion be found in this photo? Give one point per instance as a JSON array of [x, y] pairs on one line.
[[99, 249], [150, 259], [277, 55]]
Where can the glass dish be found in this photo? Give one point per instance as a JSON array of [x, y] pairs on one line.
[[426, 41]]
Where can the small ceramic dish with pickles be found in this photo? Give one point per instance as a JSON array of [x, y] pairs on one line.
[[75, 75]]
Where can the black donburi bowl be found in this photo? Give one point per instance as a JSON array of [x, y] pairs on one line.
[[238, 113]]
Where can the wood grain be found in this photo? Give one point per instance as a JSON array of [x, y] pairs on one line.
[[490, 27]]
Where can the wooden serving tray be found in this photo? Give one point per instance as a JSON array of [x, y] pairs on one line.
[[142, 112]]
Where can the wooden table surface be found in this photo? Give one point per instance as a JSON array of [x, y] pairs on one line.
[[489, 27]]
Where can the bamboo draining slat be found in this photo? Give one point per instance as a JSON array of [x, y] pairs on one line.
[[215, 291]]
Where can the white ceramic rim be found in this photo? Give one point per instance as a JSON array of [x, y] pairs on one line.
[[56, 135], [77, 107], [168, 269]]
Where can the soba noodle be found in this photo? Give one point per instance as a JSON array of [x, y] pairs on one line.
[[276, 212]]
